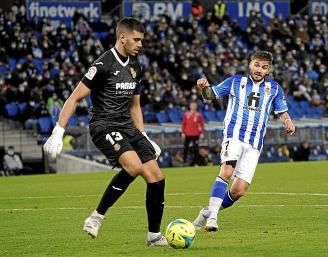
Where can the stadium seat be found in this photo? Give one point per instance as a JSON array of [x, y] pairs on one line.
[[320, 110], [220, 115], [305, 105], [84, 119], [88, 99], [72, 121], [12, 64], [12, 110], [38, 64], [175, 116], [3, 70], [22, 106], [149, 116], [162, 117], [165, 160], [210, 116], [54, 73], [22, 60], [45, 125]]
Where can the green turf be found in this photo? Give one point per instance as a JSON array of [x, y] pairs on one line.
[[263, 223]]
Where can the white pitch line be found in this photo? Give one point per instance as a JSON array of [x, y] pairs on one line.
[[167, 194], [294, 194], [169, 206]]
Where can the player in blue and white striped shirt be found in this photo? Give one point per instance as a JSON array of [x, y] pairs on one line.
[[251, 99]]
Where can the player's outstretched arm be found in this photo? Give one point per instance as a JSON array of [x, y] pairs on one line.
[[207, 91], [54, 144], [287, 121]]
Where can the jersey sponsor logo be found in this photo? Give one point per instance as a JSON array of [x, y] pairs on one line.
[[99, 63], [126, 85], [133, 73], [116, 72], [91, 72]]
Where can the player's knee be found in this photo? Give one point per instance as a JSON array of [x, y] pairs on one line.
[[134, 169], [236, 193], [226, 172]]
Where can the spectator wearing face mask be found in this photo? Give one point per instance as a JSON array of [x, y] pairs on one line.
[[12, 163]]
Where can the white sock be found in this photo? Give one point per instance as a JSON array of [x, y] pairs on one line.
[[151, 235], [96, 214], [213, 207]]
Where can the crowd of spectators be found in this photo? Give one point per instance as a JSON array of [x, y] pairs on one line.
[[43, 63]]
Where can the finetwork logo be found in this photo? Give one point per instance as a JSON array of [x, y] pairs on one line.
[[63, 10]]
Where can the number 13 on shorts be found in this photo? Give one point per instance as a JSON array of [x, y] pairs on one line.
[[114, 137]]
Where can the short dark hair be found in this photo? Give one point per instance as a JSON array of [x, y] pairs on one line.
[[263, 55], [130, 24]]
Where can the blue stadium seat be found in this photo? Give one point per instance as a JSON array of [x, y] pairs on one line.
[[162, 117], [54, 73], [54, 120], [88, 99], [320, 110], [3, 70], [37, 34], [290, 98], [12, 64], [84, 119], [305, 105], [149, 116], [104, 34], [175, 116], [72, 121], [22, 106], [211, 116], [220, 115], [45, 125], [12, 110], [22, 60], [165, 160], [38, 62]]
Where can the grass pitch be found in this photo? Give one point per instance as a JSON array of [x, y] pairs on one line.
[[285, 213]]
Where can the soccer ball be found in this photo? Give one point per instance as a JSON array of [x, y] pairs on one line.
[[180, 233]]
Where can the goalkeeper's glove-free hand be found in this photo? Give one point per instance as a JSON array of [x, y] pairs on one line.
[[54, 144], [156, 147]]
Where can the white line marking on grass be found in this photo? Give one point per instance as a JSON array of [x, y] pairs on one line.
[[169, 206], [281, 193], [168, 194]]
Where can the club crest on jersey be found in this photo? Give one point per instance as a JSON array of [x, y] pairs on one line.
[[284, 99], [267, 89], [133, 73], [117, 147], [91, 72]]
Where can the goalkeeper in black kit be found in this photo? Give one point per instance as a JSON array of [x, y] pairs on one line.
[[117, 128]]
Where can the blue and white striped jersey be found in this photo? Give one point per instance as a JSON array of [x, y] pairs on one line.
[[249, 107]]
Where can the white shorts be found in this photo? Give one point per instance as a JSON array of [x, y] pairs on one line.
[[246, 156]]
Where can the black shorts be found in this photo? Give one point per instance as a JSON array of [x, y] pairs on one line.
[[113, 142]]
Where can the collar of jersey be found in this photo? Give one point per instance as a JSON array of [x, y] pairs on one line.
[[256, 83], [118, 58]]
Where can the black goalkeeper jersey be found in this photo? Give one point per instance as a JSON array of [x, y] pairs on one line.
[[113, 83]]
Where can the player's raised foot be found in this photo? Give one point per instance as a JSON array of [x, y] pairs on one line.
[[211, 225], [160, 240], [93, 223], [201, 218]]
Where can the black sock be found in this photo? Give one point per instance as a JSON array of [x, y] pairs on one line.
[[115, 189], [155, 205]]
